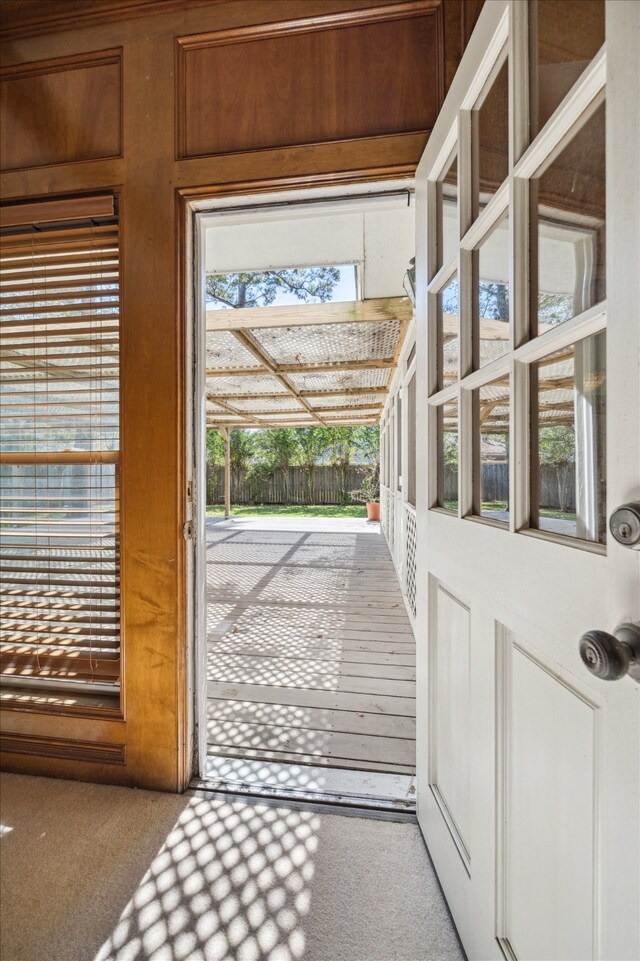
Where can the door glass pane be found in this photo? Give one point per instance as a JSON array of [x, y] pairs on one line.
[[448, 230], [568, 212], [398, 483], [411, 441], [492, 294], [449, 332], [491, 450], [493, 138], [565, 35], [448, 456], [569, 469]]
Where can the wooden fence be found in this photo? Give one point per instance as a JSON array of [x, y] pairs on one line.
[[323, 485], [495, 485], [331, 485]]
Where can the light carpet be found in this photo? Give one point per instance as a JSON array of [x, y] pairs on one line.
[[97, 873]]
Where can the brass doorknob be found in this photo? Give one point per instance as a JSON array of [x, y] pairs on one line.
[[611, 656]]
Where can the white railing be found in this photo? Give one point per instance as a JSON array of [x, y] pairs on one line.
[[410, 542], [398, 524]]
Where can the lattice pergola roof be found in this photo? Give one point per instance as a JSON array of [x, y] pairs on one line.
[[303, 365]]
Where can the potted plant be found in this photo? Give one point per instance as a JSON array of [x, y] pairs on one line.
[[369, 493]]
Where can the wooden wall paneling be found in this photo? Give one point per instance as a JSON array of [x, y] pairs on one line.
[[153, 188], [319, 79], [152, 357], [61, 110]]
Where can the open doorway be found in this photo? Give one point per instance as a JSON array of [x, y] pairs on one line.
[[305, 666]]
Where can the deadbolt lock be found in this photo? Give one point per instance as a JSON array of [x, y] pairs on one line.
[[624, 524]]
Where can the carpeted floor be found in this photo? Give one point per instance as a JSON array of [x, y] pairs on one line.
[[93, 873]]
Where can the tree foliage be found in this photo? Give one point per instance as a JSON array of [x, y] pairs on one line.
[[557, 447], [261, 288], [215, 448], [367, 441]]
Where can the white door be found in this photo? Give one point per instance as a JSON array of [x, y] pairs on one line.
[[528, 265]]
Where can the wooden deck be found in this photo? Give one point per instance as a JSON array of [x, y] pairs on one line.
[[311, 656]]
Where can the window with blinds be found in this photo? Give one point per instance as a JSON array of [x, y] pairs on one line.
[[59, 451]]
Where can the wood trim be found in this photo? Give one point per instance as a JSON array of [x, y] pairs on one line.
[[330, 178], [62, 16], [363, 16], [22, 703], [37, 68], [324, 21], [47, 211], [65, 748], [61, 457]]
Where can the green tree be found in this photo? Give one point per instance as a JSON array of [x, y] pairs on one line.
[[242, 447], [277, 449], [260, 288], [341, 453], [313, 442], [367, 442], [215, 448], [557, 447]]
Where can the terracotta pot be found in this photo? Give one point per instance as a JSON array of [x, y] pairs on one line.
[[373, 511]]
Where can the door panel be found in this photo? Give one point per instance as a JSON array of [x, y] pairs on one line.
[[527, 438], [450, 690], [550, 787]]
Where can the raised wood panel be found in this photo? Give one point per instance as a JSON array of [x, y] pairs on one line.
[[321, 79], [548, 790], [61, 111], [450, 762]]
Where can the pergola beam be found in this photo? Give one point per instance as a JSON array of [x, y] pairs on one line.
[[336, 367], [374, 311], [335, 392], [249, 342]]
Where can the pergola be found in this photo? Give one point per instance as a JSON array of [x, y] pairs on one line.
[[306, 365]]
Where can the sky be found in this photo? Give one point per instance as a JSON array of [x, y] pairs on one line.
[[344, 290]]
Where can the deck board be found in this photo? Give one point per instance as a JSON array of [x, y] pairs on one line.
[[311, 655]]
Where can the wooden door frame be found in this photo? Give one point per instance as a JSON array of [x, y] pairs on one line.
[[190, 202]]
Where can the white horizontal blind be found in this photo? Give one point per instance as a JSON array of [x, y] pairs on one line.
[[59, 455]]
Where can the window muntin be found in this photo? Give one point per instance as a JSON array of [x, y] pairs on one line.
[[536, 211]]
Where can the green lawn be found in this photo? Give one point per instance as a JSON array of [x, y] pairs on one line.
[[502, 506], [486, 506], [562, 515], [290, 510]]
